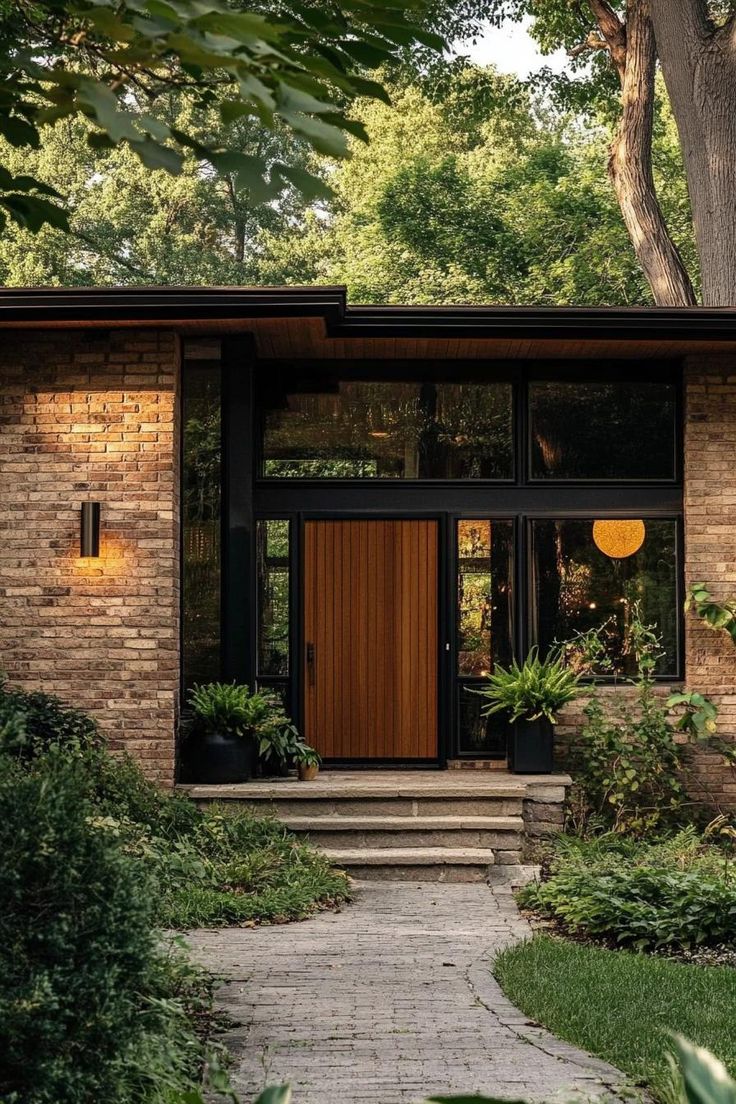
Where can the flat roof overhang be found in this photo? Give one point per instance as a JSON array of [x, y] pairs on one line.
[[311, 322]]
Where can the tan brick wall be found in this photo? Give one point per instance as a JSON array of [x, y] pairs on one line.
[[93, 416], [710, 548]]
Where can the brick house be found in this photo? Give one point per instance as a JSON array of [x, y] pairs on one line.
[[363, 508]]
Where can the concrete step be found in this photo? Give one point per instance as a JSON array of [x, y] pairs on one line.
[[414, 864], [300, 799], [413, 825], [380, 831]]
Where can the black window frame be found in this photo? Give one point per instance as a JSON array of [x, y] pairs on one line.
[[248, 496], [531, 590], [586, 372]]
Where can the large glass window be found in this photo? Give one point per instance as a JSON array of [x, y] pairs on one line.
[[484, 629], [201, 462], [607, 431], [353, 429], [592, 574]]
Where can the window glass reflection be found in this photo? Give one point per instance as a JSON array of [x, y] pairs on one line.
[[578, 587], [352, 429], [613, 430], [201, 480], [273, 596], [479, 735], [483, 594]]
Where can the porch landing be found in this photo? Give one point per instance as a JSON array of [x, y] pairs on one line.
[[410, 825]]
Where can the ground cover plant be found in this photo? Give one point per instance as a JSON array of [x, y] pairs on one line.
[[678, 893], [622, 1006], [211, 866]]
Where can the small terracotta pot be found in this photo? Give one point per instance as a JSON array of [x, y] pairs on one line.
[[308, 772]]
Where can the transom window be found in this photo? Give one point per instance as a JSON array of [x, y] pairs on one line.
[[617, 430], [358, 429], [326, 426]]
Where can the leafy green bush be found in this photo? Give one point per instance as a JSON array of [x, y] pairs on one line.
[[628, 764], [86, 1005], [679, 893], [42, 721]]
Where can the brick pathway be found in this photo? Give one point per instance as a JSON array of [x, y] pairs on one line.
[[388, 1002]]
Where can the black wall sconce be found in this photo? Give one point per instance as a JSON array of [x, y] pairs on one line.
[[89, 532]]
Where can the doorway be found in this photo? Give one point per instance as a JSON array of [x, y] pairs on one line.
[[370, 617]]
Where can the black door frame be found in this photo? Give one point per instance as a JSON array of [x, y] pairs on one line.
[[248, 498]]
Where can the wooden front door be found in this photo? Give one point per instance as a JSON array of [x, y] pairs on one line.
[[370, 632]]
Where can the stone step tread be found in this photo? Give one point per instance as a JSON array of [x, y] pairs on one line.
[[337, 822], [310, 791], [409, 856]]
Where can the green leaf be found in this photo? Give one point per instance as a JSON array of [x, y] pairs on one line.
[[243, 26], [325, 138], [706, 1080], [19, 132], [310, 186], [155, 156], [275, 1094], [32, 212]]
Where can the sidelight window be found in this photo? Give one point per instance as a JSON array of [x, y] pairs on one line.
[[201, 512], [484, 627], [273, 564]]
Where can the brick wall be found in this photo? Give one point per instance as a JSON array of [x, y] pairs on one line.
[[93, 416], [710, 548]]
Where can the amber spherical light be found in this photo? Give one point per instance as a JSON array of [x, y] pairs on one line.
[[619, 539]]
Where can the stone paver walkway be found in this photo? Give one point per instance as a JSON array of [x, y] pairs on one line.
[[389, 1001]]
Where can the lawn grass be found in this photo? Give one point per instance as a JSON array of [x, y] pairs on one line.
[[620, 1005]]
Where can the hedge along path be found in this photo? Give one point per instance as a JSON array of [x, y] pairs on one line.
[[389, 1001]]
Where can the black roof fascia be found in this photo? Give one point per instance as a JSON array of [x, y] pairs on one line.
[[609, 323], [167, 303], [151, 304]]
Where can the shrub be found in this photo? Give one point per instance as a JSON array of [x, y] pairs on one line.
[[84, 991], [679, 893], [628, 765], [43, 721]]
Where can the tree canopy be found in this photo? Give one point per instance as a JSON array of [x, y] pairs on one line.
[[471, 190], [289, 64]]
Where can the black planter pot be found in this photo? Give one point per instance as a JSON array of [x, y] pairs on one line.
[[216, 758], [530, 747]]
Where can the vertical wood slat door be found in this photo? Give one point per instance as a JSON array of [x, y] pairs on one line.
[[370, 633]]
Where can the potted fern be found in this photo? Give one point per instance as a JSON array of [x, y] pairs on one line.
[[532, 694], [225, 719]]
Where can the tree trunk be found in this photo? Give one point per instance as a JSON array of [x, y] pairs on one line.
[[699, 67], [630, 166]]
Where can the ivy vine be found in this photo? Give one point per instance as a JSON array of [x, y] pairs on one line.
[[717, 615]]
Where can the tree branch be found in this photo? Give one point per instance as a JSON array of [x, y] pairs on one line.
[[592, 42], [118, 260], [613, 32], [686, 19], [630, 167]]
